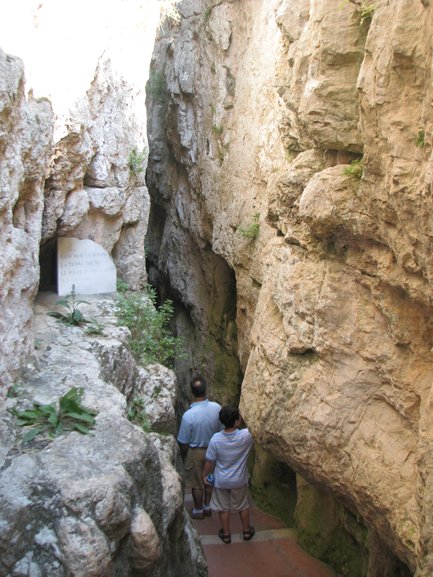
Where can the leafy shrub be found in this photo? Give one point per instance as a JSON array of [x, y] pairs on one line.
[[137, 161], [218, 129], [420, 138], [73, 316], [137, 414], [151, 340], [13, 391], [121, 286], [356, 169], [250, 230], [367, 11], [207, 14], [156, 85], [94, 328], [70, 416]]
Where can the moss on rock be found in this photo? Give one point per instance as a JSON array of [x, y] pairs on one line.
[[273, 486], [328, 531]]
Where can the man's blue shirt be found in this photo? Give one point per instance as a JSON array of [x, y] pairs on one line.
[[199, 423]]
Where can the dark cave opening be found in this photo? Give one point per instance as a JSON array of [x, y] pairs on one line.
[[48, 266]]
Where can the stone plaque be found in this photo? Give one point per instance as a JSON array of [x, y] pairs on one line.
[[86, 265]]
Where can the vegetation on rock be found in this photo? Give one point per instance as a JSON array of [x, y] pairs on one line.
[[137, 161], [355, 169], [69, 416], [250, 230], [218, 129], [73, 316], [420, 138], [156, 86], [367, 11], [137, 414], [151, 340]]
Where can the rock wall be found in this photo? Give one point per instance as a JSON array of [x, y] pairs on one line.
[[25, 147], [84, 185], [95, 185], [74, 167], [262, 109], [107, 503]]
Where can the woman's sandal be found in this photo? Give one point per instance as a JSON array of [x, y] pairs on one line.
[[248, 535], [225, 538]]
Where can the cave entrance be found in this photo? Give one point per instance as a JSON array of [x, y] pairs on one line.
[[48, 266]]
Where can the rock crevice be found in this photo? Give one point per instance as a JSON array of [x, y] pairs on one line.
[[297, 116]]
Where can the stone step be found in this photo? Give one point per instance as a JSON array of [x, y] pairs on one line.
[[270, 535], [273, 551]]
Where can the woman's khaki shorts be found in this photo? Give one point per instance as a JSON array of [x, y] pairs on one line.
[[233, 500], [194, 464]]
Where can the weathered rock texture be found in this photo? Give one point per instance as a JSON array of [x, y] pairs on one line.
[[264, 106], [95, 187], [25, 140], [105, 504], [77, 170]]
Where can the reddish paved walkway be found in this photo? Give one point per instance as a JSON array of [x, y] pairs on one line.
[[272, 552]]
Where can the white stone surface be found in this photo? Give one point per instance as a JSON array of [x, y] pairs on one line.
[[25, 145], [94, 505], [85, 265]]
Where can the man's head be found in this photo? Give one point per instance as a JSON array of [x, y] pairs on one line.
[[198, 387], [228, 416]]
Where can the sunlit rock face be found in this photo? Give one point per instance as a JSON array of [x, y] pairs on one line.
[[95, 181], [264, 106], [25, 145]]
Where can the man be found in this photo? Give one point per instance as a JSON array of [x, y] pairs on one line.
[[198, 425], [227, 456]]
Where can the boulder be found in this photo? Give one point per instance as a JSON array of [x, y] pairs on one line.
[[106, 503]]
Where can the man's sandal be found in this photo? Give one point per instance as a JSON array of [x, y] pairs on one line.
[[224, 538], [248, 535]]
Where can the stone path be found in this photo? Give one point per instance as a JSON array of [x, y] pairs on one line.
[[273, 552]]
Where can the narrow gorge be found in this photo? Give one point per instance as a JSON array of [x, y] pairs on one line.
[[282, 200]]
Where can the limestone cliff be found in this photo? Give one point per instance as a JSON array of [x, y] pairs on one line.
[[25, 146], [109, 503], [73, 165], [291, 140]]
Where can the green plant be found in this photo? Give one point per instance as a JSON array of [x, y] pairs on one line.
[[151, 340], [156, 393], [420, 138], [137, 414], [137, 161], [94, 328], [156, 85], [121, 286], [70, 416], [207, 14], [217, 129], [73, 315], [367, 11], [355, 169], [13, 391], [250, 230]]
